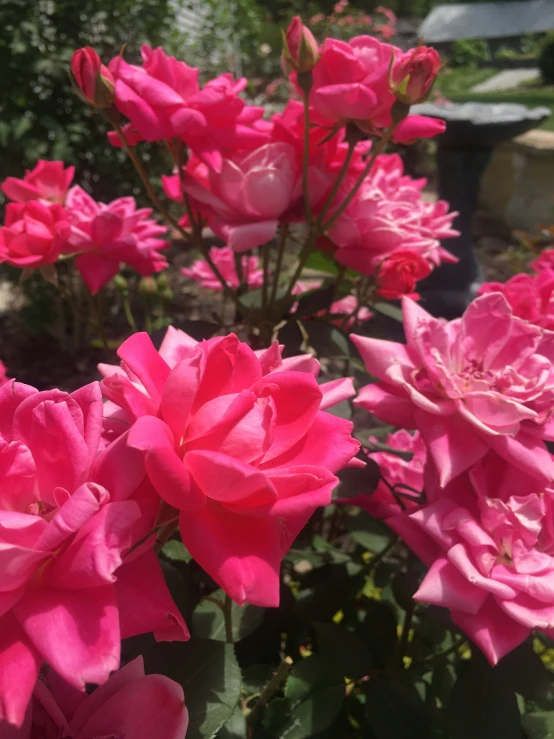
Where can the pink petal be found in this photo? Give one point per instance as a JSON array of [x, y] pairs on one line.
[[336, 391], [444, 586], [19, 666], [387, 406], [144, 361], [378, 355]]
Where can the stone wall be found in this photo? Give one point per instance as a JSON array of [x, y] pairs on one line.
[[518, 185]]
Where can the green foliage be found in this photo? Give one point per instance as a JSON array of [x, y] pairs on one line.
[[40, 115], [546, 59], [467, 52]]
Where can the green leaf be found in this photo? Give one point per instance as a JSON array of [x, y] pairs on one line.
[[334, 587], [326, 340], [539, 725], [208, 621], [176, 551], [235, 728], [390, 310], [210, 676], [344, 649], [321, 262], [315, 300], [482, 705], [395, 711], [368, 532], [378, 632], [322, 546], [525, 673]]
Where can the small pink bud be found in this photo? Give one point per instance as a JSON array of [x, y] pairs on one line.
[[412, 76], [94, 81], [301, 50]]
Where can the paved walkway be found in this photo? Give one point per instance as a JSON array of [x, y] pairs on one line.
[[506, 80]]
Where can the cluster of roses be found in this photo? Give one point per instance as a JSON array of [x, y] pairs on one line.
[[47, 219], [480, 392], [233, 446], [243, 176]]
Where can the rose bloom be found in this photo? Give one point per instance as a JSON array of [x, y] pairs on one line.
[[545, 260], [351, 83], [490, 554], [163, 100], [3, 373], [238, 442], [47, 181], [474, 384], [33, 234], [129, 704], [110, 235], [69, 514], [399, 272], [388, 214], [530, 296], [381, 503], [224, 260]]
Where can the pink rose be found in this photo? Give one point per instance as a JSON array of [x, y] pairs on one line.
[[413, 74], [47, 181], [491, 560], [388, 214], [301, 50], [68, 517], [238, 442], [129, 704], [407, 475], [399, 272], [351, 83], [530, 296], [163, 100], [224, 260], [545, 260], [33, 234], [93, 79], [110, 235], [248, 197], [474, 384], [3, 373]]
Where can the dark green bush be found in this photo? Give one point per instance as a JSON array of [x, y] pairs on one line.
[[546, 59], [466, 52]]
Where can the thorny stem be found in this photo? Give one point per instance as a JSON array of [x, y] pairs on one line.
[[302, 259], [265, 287], [279, 263], [129, 313], [367, 169], [338, 280], [271, 687], [432, 659], [336, 186]]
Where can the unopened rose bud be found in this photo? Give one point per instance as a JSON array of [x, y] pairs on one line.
[[412, 75], [147, 286], [94, 81], [301, 50]]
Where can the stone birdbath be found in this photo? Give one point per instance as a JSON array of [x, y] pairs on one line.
[[463, 152]]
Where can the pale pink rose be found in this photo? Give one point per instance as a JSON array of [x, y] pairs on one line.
[[388, 214], [530, 296], [474, 384], [247, 198], [68, 517], [47, 181], [224, 260], [490, 555], [110, 235], [239, 442], [34, 234], [406, 475], [129, 704], [163, 100], [351, 84]]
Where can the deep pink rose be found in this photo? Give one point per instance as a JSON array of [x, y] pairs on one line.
[[47, 181], [407, 475], [68, 518], [301, 49], [163, 100], [474, 384], [3, 373], [388, 214], [413, 74], [33, 234], [129, 704], [94, 80], [110, 235], [399, 272], [351, 83], [224, 260], [238, 442], [545, 260], [530, 296], [490, 554], [248, 197]]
